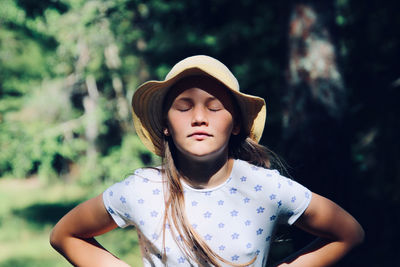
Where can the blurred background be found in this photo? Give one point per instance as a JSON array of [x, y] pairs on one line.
[[328, 70]]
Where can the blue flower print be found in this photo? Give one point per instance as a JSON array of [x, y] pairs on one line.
[[243, 178], [260, 210], [208, 193], [248, 245], [220, 202], [268, 238], [273, 217], [141, 222], [257, 188], [140, 201], [247, 223], [110, 210], [257, 252], [145, 180], [156, 191], [127, 215], [235, 236], [289, 182], [194, 203], [153, 213], [233, 190], [246, 200], [127, 182], [293, 199], [207, 214], [254, 168], [181, 260], [235, 257], [279, 185], [207, 237], [279, 203], [307, 194], [259, 231], [111, 193], [221, 225], [272, 196], [234, 213], [221, 247], [154, 236], [122, 199], [194, 226]]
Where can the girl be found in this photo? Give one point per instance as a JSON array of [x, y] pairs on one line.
[[214, 201]]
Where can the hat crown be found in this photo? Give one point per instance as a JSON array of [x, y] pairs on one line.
[[209, 65]]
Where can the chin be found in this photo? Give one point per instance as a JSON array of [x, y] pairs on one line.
[[201, 156], [205, 155], [202, 153]]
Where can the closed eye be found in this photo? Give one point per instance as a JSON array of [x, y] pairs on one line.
[[183, 109], [182, 104], [215, 105]]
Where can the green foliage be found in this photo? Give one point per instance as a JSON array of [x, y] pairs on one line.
[[120, 162], [44, 120], [29, 210]]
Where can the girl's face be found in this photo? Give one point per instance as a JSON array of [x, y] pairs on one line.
[[200, 118]]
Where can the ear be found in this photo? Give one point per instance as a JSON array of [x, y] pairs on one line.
[[236, 129], [166, 132]]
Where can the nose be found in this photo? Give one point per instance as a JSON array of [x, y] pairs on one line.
[[199, 117]]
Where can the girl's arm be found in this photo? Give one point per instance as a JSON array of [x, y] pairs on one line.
[[337, 230], [73, 235]]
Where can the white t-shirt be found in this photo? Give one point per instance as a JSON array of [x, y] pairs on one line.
[[236, 218]]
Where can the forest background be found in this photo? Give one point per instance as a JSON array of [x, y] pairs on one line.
[[328, 70]]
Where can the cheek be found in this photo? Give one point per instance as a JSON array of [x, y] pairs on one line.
[[175, 122], [226, 124]]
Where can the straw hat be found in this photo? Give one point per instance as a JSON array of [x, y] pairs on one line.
[[148, 99]]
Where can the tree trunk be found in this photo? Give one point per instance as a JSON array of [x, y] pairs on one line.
[[315, 139]]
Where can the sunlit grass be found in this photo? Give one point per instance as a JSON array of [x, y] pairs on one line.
[[28, 212]]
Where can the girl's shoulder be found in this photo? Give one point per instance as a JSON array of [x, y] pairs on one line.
[[245, 167], [246, 171], [146, 175]]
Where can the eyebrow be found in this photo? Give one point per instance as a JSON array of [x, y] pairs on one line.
[[189, 99]]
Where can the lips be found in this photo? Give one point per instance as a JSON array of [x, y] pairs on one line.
[[200, 135]]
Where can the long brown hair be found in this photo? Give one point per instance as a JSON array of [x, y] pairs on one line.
[[191, 243]]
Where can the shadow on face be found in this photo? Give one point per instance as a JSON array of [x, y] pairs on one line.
[[206, 83]]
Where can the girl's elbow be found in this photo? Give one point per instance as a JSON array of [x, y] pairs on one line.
[[55, 239], [357, 236], [360, 236]]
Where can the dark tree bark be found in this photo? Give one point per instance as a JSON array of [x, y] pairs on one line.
[[315, 136], [314, 106]]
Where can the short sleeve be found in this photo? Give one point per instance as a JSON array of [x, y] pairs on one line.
[[295, 200], [116, 201]]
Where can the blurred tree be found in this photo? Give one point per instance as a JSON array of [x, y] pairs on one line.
[[314, 130], [83, 73]]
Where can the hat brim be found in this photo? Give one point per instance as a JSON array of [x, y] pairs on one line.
[[148, 117]]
